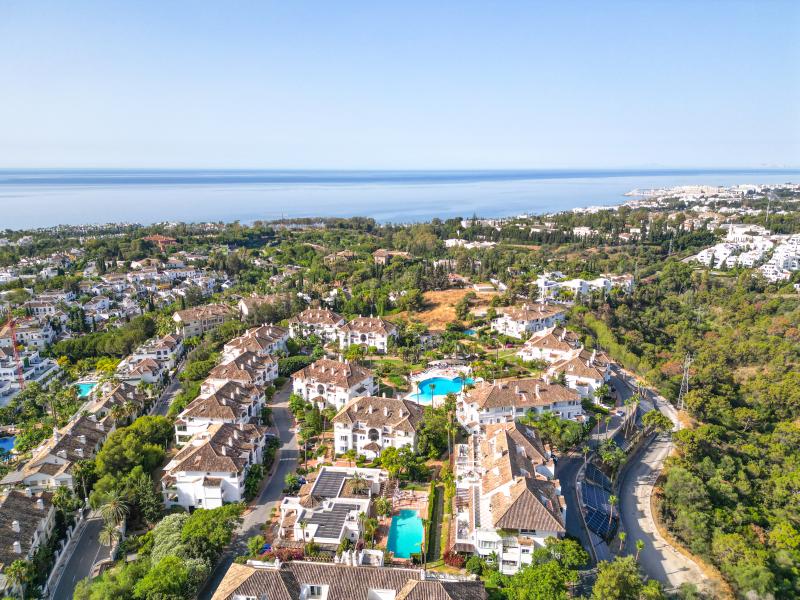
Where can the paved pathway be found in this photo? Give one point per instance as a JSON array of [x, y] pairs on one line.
[[270, 496]]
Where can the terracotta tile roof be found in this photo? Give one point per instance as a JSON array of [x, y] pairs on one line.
[[531, 504], [333, 372], [401, 415], [556, 338], [206, 311], [509, 450], [532, 312], [589, 365], [343, 582], [221, 448], [317, 316], [257, 339], [245, 367], [17, 506], [370, 325], [231, 401], [520, 393]]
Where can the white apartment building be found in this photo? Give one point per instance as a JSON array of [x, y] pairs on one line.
[[210, 470], [247, 367], [520, 322], [507, 501], [262, 340], [584, 372], [333, 383], [30, 333], [318, 321], [232, 402], [196, 321], [368, 332], [551, 345], [490, 403], [370, 424]]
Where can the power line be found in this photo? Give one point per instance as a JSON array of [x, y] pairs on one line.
[[684, 380]]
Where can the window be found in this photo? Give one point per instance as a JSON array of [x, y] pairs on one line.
[[343, 438], [315, 591]]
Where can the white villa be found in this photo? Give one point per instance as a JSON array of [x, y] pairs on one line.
[[327, 509], [584, 372], [551, 345], [507, 501], [370, 424], [320, 321], [368, 332], [232, 402], [488, 403], [263, 340], [520, 322], [196, 321], [332, 382], [211, 468]]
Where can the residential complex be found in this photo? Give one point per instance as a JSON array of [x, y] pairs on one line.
[[370, 424]]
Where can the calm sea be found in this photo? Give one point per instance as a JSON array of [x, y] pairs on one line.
[[41, 198]]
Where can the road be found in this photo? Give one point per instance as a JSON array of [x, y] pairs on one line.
[[85, 553], [270, 496], [658, 559]]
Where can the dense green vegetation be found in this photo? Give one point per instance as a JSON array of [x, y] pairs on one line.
[[732, 492]]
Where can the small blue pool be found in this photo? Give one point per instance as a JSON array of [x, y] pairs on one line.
[[7, 443], [470, 332], [405, 534], [438, 386], [84, 389]]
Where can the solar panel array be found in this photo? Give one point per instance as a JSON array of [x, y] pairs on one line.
[[597, 477], [329, 483], [599, 523], [330, 522], [598, 509]]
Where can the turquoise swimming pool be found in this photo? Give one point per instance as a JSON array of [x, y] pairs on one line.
[[7, 443], [438, 386], [405, 534], [84, 389]]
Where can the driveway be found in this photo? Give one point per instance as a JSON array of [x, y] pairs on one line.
[[270, 495], [566, 472], [85, 554]]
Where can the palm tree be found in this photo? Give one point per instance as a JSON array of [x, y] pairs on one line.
[[19, 573], [612, 500], [622, 535], [109, 534], [432, 388], [422, 550], [114, 510], [585, 451], [639, 548], [359, 483]]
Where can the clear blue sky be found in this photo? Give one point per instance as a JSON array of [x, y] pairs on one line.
[[336, 84]]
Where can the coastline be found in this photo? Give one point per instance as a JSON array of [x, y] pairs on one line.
[[46, 198]]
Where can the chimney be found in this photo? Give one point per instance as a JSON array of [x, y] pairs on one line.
[[536, 390], [82, 439], [385, 411], [591, 360], [516, 390], [40, 504], [223, 451], [370, 409], [15, 526], [62, 454], [56, 434], [17, 547], [79, 452], [28, 492], [383, 395], [101, 426]]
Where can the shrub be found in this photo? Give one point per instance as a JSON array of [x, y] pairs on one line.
[[453, 559]]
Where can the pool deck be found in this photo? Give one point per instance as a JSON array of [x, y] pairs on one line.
[[453, 372], [402, 500]]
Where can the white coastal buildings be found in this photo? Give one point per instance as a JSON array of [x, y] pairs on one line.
[[318, 321], [503, 401], [369, 424], [507, 502], [210, 470], [333, 383], [519, 322], [370, 332]]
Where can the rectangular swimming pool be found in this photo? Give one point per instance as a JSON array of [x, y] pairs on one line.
[[405, 534]]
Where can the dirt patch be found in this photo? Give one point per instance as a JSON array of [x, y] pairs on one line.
[[440, 307]]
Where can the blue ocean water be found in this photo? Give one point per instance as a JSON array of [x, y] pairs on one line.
[[42, 198]]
